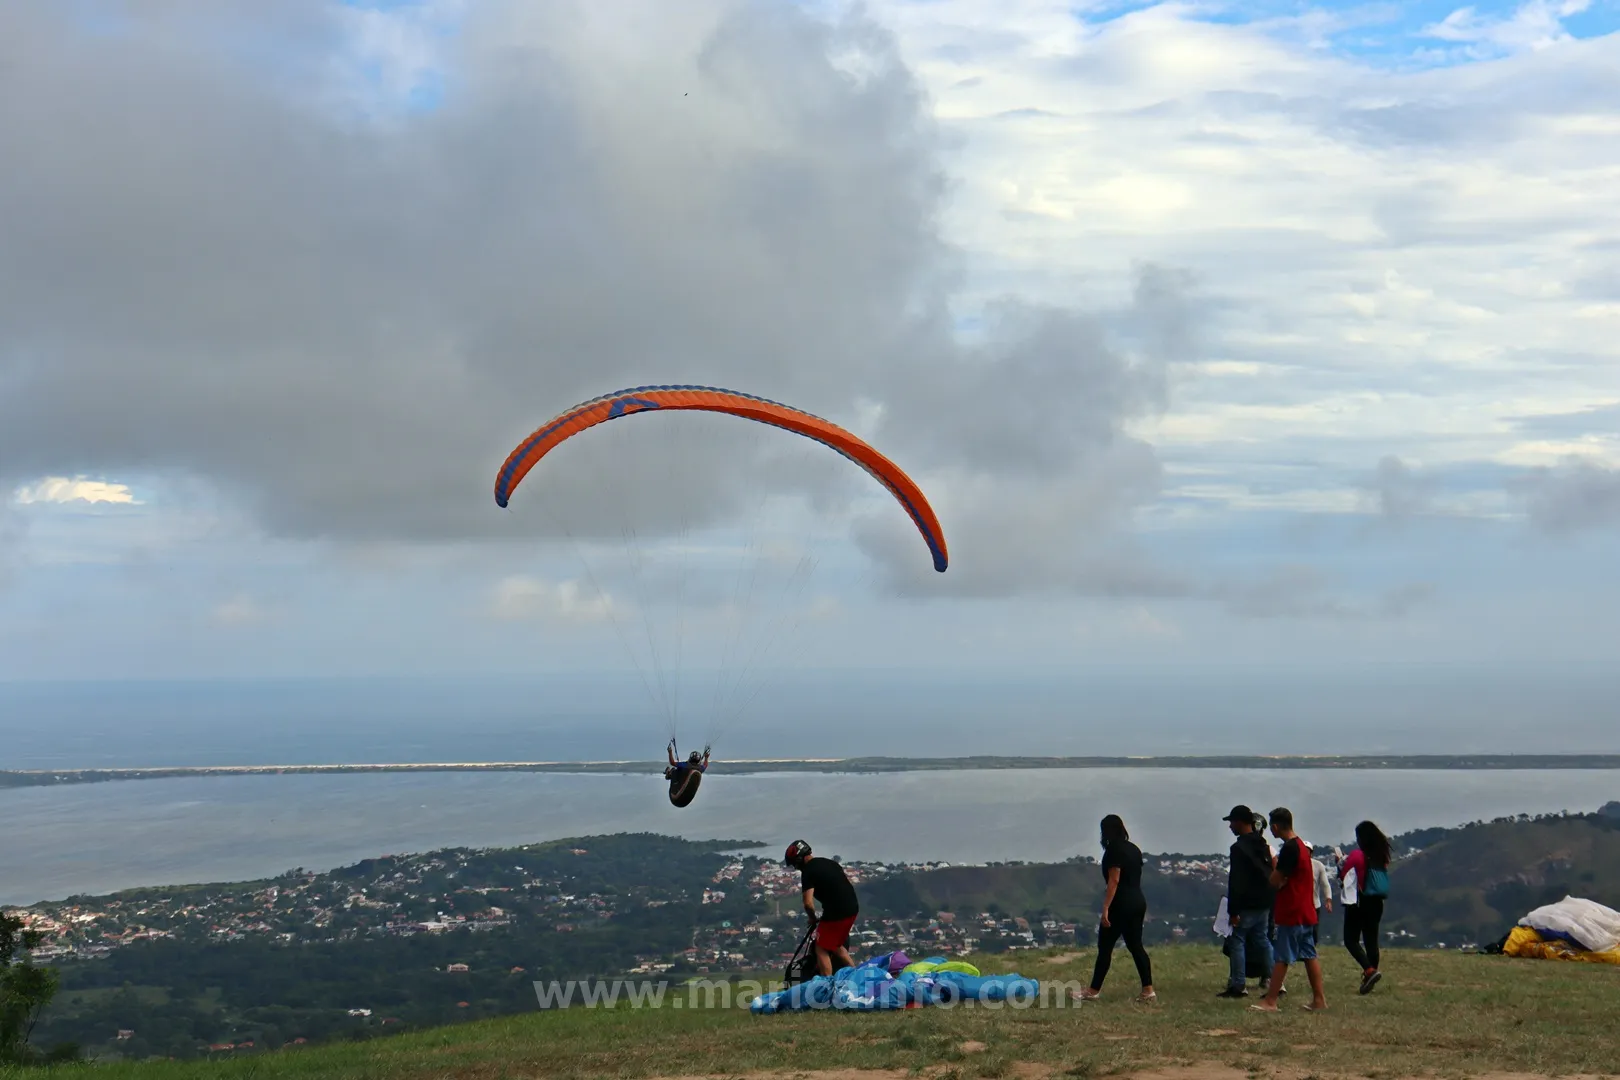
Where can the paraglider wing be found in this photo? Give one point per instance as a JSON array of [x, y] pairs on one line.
[[637, 399]]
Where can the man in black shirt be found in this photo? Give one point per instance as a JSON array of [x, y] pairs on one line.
[[1248, 900], [825, 880]]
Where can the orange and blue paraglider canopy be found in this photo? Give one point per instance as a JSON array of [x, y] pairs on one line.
[[639, 399]]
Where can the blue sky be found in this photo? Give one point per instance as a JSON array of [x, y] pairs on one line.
[[1416, 34], [1260, 334]]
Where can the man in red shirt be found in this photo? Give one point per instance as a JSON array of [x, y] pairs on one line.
[[1294, 878]]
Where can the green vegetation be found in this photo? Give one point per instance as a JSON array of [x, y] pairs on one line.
[[25, 991], [378, 948], [384, 945], [1436, 1013], [1470, 885]]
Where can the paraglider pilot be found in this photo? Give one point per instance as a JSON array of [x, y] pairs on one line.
[[824, 880], [685, 776]]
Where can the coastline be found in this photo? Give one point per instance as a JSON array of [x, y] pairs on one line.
[[17, 778]]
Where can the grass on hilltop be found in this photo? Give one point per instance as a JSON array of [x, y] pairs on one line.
[[1436, 1013]]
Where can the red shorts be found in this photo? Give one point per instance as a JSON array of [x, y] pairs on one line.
[[832, 933]]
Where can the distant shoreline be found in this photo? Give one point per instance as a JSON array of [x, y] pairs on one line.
[[15, 778]]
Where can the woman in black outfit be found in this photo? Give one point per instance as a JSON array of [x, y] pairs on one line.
[[1124, 909]]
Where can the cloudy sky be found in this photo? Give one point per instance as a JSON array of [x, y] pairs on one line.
[[1263, 333]]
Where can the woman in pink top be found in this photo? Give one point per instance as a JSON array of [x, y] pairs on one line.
[[1364, 884]]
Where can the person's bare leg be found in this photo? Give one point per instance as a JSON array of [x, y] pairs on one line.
[[1313, 969], [823, 961], [1279, 972], [844, 959]]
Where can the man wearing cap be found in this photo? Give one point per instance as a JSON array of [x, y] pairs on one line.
[[1248, 900], [824, 880]]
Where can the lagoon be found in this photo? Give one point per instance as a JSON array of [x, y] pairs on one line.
[[96, 838]]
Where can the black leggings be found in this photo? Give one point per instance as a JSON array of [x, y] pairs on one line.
[[1361, 921], [1128, 925]]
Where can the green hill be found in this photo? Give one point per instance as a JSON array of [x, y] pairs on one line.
[[408, 943], [1470, 885], [1437, 1013], [1452, 887]]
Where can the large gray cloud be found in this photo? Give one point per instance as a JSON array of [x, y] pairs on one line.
[[216, 264], [11, 542], [1577, 495], [1032, 427], [1399, 492]]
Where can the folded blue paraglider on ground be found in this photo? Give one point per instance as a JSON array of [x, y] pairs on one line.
[[870, 985]]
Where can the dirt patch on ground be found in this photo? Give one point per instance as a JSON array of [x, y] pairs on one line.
[[1021, 1070], [808, 1074], [1029, 1070], [1207, 1071], [1213, 1071], [973, 1046], [1065, 958]]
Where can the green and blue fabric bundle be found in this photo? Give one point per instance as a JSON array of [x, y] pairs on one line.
[[870, 985]]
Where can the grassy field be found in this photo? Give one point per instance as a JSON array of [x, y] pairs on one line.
[[1435, 1014]]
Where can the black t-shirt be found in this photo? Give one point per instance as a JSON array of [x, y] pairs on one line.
[[1127, 857], [833, 889]]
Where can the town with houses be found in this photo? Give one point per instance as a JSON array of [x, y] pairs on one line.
[[402, 942], [464, 891]]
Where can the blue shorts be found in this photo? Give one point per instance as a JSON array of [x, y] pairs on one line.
[[1295, 943]]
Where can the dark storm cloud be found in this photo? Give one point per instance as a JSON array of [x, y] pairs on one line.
[[350, 324], [1399, 492], [1574, 496], [1028, 431], [217, 264], [11, 543]]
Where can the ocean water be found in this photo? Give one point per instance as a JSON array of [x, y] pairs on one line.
[[100, 837], [96, 838]]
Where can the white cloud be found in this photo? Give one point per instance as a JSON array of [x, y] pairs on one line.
[[1397, 261], [59, 489], [1388, 264], [523, 597], [824, 607], [1538, 24], [1133, 622], [239, 610]]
